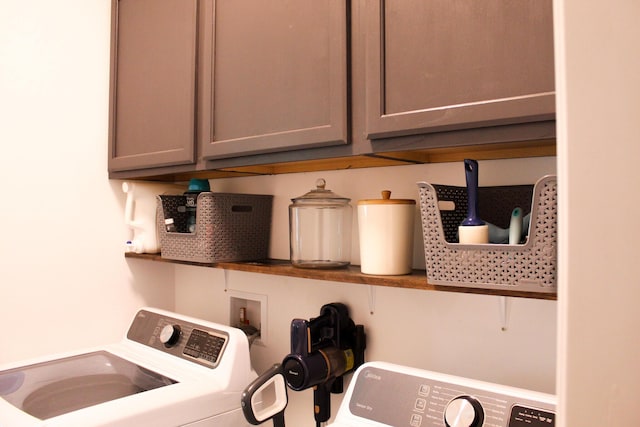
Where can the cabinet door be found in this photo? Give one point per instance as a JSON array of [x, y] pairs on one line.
[[153, 80], [277, 76], [437, 65]]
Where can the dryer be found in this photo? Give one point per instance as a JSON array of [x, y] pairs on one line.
[[384, 394], [169, 370]]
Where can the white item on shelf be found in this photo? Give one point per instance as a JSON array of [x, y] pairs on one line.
[[386, 235], [140, 214]]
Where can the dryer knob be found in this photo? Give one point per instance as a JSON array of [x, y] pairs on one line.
[[169, 335], [464, 411]]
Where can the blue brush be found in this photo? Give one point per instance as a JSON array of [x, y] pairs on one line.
[[471, 172], [472, 229]]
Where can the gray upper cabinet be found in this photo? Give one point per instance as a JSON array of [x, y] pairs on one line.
[[153, 84], [444, 65], [201, 85], [273, 76]]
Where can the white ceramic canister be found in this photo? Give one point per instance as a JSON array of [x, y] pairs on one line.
[[386, 235]]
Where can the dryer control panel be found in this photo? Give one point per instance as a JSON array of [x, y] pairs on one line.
[[401, 396], [198, 343]]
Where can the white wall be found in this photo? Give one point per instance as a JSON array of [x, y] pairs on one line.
[[598, 86], [449, 332], [63, 277], [64, 282]]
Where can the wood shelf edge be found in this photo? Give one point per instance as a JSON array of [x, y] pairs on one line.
[[487, 151], [416, 280]]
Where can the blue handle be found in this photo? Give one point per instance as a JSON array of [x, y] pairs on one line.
[[471, 172], [300, 337]]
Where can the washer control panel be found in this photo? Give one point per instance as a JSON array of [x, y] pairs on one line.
[[400, 396], [201, 344]]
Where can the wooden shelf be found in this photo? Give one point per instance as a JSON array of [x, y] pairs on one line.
[[416, 280]]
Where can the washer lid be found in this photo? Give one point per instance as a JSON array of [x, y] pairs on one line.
[[48, 389]]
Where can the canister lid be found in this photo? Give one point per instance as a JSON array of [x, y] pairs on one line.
[[386, 200], [321, 194]]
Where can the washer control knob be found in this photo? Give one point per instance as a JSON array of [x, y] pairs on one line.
[[463, 411], [169, 335]]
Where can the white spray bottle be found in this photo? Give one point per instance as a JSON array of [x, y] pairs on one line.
[[140, 214]]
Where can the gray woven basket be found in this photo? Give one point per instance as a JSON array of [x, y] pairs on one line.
[[229, 227], [531, 266]]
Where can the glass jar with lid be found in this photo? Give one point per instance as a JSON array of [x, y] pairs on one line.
[[320, 229]]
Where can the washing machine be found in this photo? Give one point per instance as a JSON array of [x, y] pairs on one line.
[[169, 370], [384, 394]]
